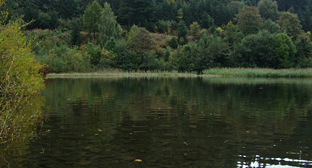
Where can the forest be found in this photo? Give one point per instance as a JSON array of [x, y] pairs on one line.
[[165, 35]]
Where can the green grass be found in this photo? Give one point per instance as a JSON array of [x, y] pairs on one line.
[[213, 72], [260, 72], [121, 74]]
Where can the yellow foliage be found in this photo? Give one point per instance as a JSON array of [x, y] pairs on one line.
[[19, 75]]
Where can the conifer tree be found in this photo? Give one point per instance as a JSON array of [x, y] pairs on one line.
[[91, 17]]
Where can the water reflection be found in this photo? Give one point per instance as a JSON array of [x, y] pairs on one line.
[[14, 149], [178, 122]]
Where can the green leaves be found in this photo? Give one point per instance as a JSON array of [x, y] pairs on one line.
[[249, 20], [290, 23], [108, 26], [268, 9], [91, 17], [285, 51]]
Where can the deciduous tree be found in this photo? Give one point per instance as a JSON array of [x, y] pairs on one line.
[[268, 9], [285, 51], [249, 20], [19, 76], [142, 42], [195, 30], [290, 23], [108, 26]]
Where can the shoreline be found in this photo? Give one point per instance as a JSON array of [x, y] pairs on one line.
[[213, 72], [125, 75]]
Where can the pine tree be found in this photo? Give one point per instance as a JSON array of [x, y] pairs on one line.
[[182, 32], [75, 34], [91, 17]]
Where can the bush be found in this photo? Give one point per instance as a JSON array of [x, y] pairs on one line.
[[149, 62], [64, 59], [107, 60], [20, 81], [125, 58], [75, 61], [94, 53]]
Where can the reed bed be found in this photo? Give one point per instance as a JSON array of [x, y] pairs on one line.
[[115, 73], [260, 72], [213, 72]]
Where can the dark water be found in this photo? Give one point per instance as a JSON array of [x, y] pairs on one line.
[[180, 122]]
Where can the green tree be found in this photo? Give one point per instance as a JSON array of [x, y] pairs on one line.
[[304, 52], [75, 61], [185, 57], [108, 26], [91, 18], [217, 50], [173, 42], [75, 34], [126, 13], [290, 23], [195, 30], [256, 50], [203, 58], [180, 15], [206, 21], [150, 61], [268, 9], [305, 16], [125, 59], [271, 26], [249, 20], [231, 34], [182, 32], [68, 9], [94, 52], [285, 51], [142, 11], [132, 33], [135, 11], [142, 42]]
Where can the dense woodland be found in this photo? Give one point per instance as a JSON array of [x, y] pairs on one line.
[[183, 35]]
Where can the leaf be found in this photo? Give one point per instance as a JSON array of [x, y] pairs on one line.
[[137, 160]]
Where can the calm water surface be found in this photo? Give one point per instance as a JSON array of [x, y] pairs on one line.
[[181, 122]]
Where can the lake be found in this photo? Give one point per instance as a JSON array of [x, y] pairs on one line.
[[174, 122]]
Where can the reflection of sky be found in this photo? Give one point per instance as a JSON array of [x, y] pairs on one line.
[[258, 164]]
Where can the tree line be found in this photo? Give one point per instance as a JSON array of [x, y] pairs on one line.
[[183, 35], [47, 13]]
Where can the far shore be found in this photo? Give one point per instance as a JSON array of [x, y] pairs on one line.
[[213, 72]]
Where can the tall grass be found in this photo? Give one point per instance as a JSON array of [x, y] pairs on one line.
[[213, 72], [115, 73], [260, 72]]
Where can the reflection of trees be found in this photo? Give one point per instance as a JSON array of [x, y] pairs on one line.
[[174, 122], [13, 151]]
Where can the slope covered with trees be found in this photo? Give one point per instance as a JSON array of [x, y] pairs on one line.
[[183, 35]]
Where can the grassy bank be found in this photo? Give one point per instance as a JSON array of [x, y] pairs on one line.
[[227, 72], [121, 74], [260, 72]]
